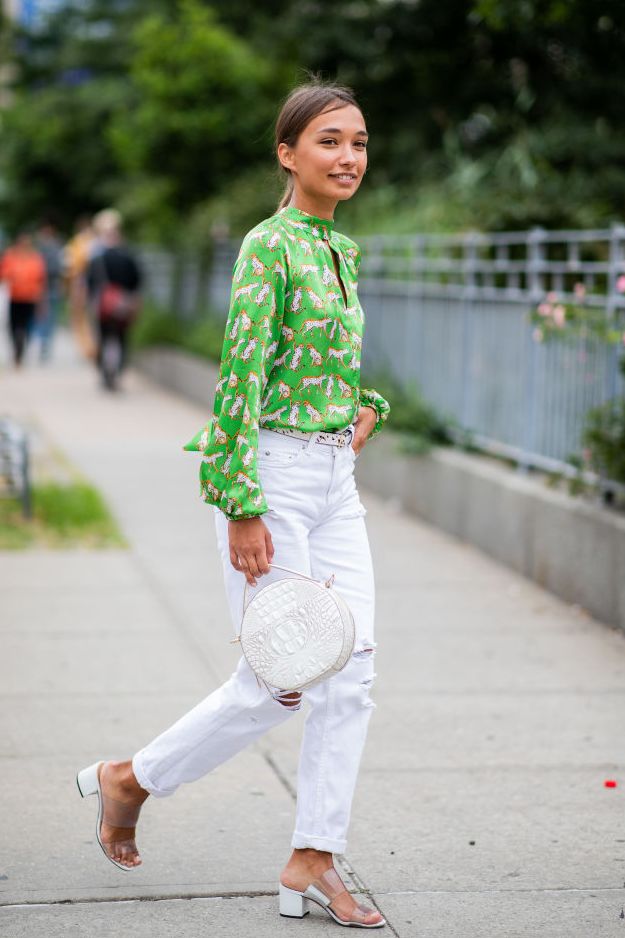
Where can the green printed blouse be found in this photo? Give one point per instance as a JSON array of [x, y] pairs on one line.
[[291, 353]]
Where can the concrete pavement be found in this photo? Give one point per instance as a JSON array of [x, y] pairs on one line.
[[481, 808]]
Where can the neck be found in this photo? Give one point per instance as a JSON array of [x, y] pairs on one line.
[[313, 205]]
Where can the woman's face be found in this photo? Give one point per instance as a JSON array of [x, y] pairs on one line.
[[330, 157]]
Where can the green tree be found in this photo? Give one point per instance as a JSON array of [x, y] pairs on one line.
[[497, 113], [202, 107], [67, 81]]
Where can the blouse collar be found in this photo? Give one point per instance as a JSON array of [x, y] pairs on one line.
[[304, 221]]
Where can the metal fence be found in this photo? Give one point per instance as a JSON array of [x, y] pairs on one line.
[[449, 315]]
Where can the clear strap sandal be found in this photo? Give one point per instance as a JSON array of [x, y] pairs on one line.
[[111, 812], [324, 891]]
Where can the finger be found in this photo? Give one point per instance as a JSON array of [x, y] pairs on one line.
[[269, 546], [262, 561], [254, 562], [234, 560], [245, 568]]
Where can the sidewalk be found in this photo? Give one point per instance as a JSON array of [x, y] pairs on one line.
[[481, 810]]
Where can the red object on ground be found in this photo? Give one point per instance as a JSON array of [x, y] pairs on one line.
[[609, 783]]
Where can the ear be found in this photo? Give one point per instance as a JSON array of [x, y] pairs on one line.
[[286, 156]]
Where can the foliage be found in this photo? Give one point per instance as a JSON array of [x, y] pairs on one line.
[[68, 81], [554, 318], [604, 437], [64, 153], [63, 516], [203, 104], [411, 415], [489, 114], [202, 336]]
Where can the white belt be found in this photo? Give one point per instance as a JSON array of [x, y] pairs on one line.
[[326, 437]]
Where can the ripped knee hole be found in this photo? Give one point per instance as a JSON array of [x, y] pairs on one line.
[[290, 700]]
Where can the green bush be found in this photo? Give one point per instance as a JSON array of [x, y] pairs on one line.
[[604, 435], [419, 423], [203, 336]]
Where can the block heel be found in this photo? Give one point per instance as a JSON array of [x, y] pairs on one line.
[[323, 892], [87, 780], [293, 904]]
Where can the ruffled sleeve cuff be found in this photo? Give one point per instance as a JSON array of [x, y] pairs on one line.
[[371, 398]]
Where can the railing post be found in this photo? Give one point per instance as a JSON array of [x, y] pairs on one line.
[[616, 266], [536, 289], [470, 243]]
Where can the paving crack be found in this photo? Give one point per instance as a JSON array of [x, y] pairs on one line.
[[162, 897]]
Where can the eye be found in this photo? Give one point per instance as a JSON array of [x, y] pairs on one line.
[[329, 140], [362, 144]]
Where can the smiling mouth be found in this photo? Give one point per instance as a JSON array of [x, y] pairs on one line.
[[345, 177]]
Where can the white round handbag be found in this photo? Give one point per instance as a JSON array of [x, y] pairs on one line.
[[296, 631]]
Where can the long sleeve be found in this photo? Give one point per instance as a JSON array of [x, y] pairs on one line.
[[371, 398], [229, 474]]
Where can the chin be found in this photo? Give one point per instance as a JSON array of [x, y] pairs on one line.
[[342, 195]]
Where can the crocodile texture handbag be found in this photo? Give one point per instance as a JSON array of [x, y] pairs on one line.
[[296, 631]]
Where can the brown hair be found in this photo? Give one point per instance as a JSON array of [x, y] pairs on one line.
[[302, 105]]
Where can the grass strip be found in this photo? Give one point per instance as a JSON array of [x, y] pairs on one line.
[[72, 515]]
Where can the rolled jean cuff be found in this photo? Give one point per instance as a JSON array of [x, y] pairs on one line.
[[145, 782], [302, 841]]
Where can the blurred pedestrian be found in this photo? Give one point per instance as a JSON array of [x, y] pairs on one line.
[[279, 451], [113, 284], [76, 259], [23, 269], [49, 244]]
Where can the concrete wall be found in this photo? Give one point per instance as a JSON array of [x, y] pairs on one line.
[[570, 546]]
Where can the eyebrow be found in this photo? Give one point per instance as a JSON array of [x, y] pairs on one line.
[[337, 130]]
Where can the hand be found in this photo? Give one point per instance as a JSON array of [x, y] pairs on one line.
[[251, 547], [364, 425]]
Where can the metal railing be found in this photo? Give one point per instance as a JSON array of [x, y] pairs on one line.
[[449, 314], [15, 463]]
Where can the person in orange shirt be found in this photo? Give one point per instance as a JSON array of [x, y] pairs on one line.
[[23, 269]]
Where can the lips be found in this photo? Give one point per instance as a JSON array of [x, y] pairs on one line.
[[344, 177]]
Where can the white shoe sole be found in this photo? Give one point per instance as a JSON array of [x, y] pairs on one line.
[[294, 904]]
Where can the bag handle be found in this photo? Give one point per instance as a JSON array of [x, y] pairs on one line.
[[276, 566]]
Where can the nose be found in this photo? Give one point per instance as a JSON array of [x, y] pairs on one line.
[[347, 156]]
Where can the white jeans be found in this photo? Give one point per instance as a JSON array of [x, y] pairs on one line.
[[317, 526]]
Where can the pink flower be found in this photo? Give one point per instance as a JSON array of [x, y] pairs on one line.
[[624, 338], [580, 290], [537, 335], [552, 297], [559, 316], [544, 309], [620, 284]]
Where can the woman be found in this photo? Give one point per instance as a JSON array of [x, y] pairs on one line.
[[289, 419]]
